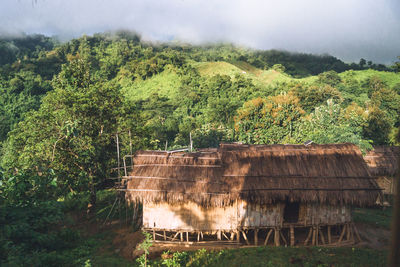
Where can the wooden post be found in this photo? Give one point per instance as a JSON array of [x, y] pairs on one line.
[[342, 234], [165, 236], [238, 236], [283, 238], [219, 235], [291, 235], [308, 237], [329, 234], [232, 236], [317, 236], [181, 233], [198, 236], [177, 233], [256, 237], [224, 235], [277, 238], [154, 234], [322, 236], [245, 238], [348, 232], [187, 236], [268, 235], [313, 236]]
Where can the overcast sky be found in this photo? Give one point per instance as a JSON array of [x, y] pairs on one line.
[[347, 29]]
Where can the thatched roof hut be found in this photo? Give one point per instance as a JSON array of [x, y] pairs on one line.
[[335, 174], [382, 162]]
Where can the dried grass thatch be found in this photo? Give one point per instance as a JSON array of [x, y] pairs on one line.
[[382, 161], [263, 174]]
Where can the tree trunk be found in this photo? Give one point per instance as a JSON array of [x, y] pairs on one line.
[[91, 208]]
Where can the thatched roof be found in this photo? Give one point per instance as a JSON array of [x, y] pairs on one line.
[[383, 160], [261, 174]]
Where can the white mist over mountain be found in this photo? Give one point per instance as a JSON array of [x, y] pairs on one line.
[[348, 29]]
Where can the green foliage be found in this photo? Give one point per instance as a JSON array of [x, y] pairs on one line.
[[331, 124], [145, 246]]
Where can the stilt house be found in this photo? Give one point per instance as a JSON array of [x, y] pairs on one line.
[[282, 194], [383, 166]]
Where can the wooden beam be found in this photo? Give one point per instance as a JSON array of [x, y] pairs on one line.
[[329, 234], [165, 236], [154, 234], [219, 235], [181, 236], [177, 233], [308, 236], [277, 238], [317, 236], [291, 235], [238, 236], [245, 238], [322, 236], [342, 234], [255, 237], [268, 235], [348, 232], [313, 236], [283, 238], [223, 233], [187, 236]]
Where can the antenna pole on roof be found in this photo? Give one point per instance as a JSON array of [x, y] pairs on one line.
[[166, 145], [130, 141], [191, 142]]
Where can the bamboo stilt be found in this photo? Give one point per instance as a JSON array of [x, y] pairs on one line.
[[256, 237], [313, 236], [245, 238], [238, 236], [187, 236], [308, 237], [342, 234], [165, 236], [219, 235], [232, 236], [329, 234], [201, 234], [348, 232], [277, 238], [175, 236], [317, 236], [268, 235], [225, 235], [181, 236], [291, 236], [322, 236], [198, 236], [154, 234]]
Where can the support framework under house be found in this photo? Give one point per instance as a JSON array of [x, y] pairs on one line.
[[253, 194]]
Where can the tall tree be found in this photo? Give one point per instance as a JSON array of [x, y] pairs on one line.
[[72, 131]]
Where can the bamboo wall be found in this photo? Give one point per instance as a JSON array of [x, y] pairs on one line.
[[192, 217]]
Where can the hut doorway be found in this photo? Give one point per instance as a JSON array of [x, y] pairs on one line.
[[291, 212]]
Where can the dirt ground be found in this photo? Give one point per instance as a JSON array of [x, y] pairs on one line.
[[126, 242]]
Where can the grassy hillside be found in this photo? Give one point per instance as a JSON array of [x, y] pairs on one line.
[[165, 84]]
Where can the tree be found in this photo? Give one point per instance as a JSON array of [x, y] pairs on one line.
[[72, 131], [268, 121]]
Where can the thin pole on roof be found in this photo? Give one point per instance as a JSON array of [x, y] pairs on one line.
[[191, 142], [118, 159]]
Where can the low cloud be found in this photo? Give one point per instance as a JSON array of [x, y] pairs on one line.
[[348, 29]]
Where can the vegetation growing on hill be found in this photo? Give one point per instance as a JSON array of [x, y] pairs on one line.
[[61, 105]]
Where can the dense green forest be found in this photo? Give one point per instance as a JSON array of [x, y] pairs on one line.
[[61, 105]]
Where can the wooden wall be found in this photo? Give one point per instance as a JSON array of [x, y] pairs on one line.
[[192, 217]]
